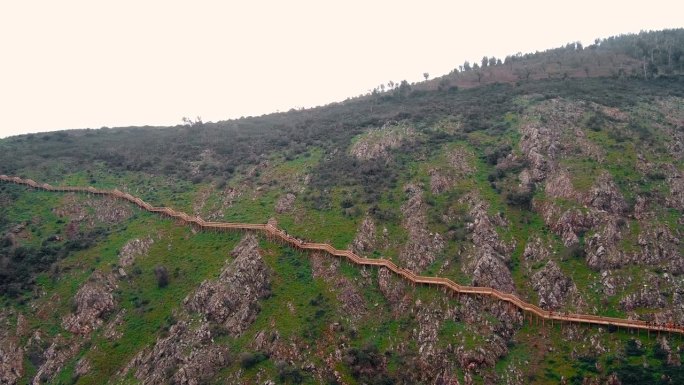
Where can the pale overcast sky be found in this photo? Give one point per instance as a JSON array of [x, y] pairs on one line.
[[77, 64]]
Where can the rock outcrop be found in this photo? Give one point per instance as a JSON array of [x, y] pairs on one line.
[[673, 357], [232, 300], [536, 251], [112, 331], [349, 296], [83, 367], [491, 271], [377, 143], [92, 302], [675, 180], [109, 210], [461, 160], [133, 249], [555, 290], [54, 359], [285, 203], [567, 223], [394, 289], [658, 245], [542, 141], [90, 211], [488, 257], [460, 166], [422, 246], [429, 320], [648, 296], [471, 360], [11, 352], [539, 144], [11, 362], [440, 181], [559, 185], [605, 196], [186, 356], [602, 247], [364, 242]]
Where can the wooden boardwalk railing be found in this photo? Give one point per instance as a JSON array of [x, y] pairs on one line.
[[279, 234]]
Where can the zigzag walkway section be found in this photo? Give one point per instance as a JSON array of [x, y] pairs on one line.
[[446, 284]]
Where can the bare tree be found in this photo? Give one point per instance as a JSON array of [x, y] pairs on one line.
[[192, 123], [426, 75]]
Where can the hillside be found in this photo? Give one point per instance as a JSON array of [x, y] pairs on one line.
[[556, 176]]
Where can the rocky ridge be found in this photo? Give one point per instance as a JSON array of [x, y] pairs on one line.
[[376, 144], [364, 241], [92, 302], [285, 203], [347, 293], [232, 300], [188, 355], [487, 258], [422, 246], [11, 351]]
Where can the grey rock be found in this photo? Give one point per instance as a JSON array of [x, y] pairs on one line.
[[285, 203], [393, 289], [232, 299], [553, 287], [377, 143], [54, 358], [364, 242], [11, 361], [347, 293], [422, 247], [133, 249], [605, 196], [491, 271], [186, 356], [92, 301]]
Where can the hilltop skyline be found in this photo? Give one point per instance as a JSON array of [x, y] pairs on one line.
[[78, 65]]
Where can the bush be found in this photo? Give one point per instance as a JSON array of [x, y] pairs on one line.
[[25, 261], [492, 155], [520, 198], [633, 348], [289, 373], [596, 122], [162, 275], [659, 352], [250, 359], [365, 364]]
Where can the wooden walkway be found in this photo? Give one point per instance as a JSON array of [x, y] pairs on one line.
[[446, 284]]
